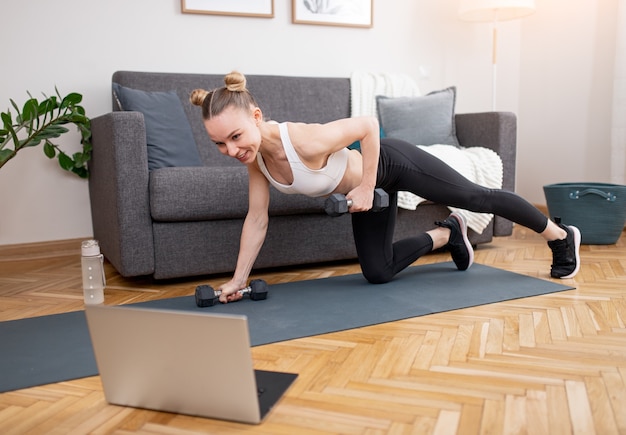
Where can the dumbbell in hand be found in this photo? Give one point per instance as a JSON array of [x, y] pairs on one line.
[[337, 204], [206, 296]]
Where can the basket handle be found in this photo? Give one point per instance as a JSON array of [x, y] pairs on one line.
[[608, 195]]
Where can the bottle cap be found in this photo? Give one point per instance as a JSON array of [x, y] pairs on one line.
[[90, 248]]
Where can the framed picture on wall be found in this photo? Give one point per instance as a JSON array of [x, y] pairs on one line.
[[244, 8], [348, 13]]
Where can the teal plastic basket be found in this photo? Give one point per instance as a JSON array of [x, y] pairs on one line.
[[597, 209]]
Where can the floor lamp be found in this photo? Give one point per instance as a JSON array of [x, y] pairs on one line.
[[494, 11]]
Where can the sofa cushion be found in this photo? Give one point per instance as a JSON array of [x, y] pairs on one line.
[[168, 134], [425, 120], [211, 193]]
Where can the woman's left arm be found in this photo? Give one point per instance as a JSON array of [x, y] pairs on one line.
[[362, 196], [315, 142], [366, 130]]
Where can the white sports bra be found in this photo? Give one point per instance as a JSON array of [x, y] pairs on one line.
[[310, 182]]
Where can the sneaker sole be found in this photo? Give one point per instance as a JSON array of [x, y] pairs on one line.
[[576, 232], [468, 245]]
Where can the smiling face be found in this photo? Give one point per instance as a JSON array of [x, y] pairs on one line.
[[236, 133]]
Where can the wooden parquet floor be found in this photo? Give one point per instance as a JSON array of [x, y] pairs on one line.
[[552, 364]]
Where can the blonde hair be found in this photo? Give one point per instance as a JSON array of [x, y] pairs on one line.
[[233, 93]]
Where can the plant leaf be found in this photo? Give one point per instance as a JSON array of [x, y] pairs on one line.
[[48, 105], [17, 109], [8, 125], [48, 150], [78, 118], [40, 121], [65, 161], [71, 100], [29, 111], [5, 155], [81, 172], [58, 129], [80, 159], [31, 141], [7, 120], [42, 135]]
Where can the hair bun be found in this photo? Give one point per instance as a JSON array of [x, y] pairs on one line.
[[197, 96], [235, 82]]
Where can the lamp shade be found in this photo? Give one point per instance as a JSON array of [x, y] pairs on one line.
[[491, 10]]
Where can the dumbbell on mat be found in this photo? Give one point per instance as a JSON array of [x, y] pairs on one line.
[[206, 296], [337, 204]]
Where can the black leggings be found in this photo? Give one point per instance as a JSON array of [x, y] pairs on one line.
[[405, 167]]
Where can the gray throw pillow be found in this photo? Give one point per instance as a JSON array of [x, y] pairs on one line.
[[168, 133], [426, 120]]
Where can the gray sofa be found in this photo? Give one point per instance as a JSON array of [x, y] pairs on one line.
[[175, 222]]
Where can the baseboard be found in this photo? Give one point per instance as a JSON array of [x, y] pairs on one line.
[[39, 250]]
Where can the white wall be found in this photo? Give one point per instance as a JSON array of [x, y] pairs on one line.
[[566, 86], [66, 44]]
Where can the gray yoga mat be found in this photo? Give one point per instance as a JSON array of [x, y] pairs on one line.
[[56, 348]]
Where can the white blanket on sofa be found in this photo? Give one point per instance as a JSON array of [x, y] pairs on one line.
[[365, 86], [480, 165]]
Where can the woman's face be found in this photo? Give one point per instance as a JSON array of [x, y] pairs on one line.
[[236, 133]]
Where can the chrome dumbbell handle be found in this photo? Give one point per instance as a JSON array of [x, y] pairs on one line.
[[242, 292]]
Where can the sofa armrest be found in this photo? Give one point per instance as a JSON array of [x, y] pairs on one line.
[[118, 190], [496, 131], [493, 130]]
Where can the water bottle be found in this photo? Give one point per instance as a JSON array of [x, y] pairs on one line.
[[92, 263]]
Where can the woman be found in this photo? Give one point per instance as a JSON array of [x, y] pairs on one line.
[[313, 159]]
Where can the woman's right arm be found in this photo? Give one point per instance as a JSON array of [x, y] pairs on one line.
[[252, 234]]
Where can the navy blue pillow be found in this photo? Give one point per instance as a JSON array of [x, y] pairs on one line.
[[168, 133]]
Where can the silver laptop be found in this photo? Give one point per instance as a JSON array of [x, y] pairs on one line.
[[183, 362]]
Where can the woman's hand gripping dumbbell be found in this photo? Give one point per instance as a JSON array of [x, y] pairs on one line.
[[337, 204], [206, 296]]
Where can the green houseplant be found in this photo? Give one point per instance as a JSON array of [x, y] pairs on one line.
[[39, 122]]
